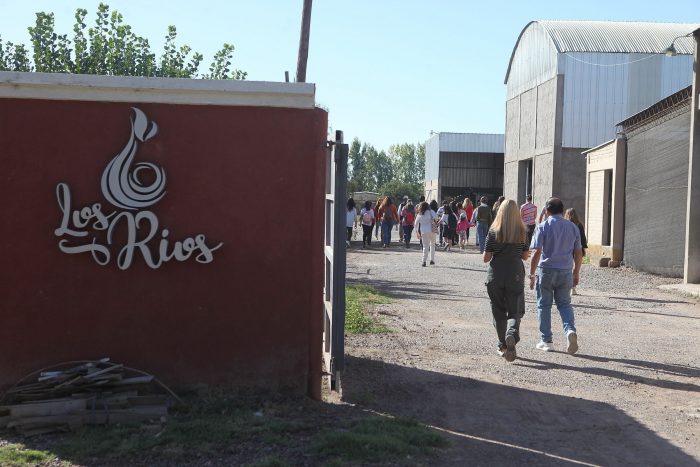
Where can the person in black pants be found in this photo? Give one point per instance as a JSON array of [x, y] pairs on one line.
[[505, 251], [367, 218]]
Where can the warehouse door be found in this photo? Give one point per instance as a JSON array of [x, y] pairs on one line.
[[334, 248]]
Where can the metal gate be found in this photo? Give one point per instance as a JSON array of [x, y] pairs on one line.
[[335, 249]]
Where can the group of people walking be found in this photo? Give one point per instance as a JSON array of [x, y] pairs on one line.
[[557, 245], [507, 235], [453, 221]]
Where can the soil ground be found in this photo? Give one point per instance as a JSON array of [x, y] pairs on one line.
[[630, 396]]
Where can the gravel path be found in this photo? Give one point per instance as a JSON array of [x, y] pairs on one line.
[[631, 395]]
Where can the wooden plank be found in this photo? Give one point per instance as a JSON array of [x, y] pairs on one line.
[[51, 420], [120, 396], [148, 400], [38, 409], [135, 380], [129, 415], [92, 375]]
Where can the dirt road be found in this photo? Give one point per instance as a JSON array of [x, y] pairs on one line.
[[630, 396]]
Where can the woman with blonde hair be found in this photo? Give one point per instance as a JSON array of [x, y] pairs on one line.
[[505, 251]]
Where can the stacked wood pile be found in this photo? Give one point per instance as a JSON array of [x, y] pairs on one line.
[[91, 393]]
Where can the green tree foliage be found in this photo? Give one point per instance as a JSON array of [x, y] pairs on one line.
[[409, 162], [380, 168], [398, 173], [109, 48], [398, 189]]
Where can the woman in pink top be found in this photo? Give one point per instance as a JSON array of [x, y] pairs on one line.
[[462, 229]]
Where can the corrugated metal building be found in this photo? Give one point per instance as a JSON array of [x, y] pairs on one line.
[[463, 164], [656, 193], [568, 84]]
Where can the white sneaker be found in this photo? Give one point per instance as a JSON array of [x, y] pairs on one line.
[[572, 342], [546, 346]]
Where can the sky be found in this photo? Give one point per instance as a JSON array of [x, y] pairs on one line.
[[387, 71]]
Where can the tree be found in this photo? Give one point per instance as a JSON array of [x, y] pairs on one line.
[[398, 189], [401, 171], [379, 168], [110, 48], [358, 165]]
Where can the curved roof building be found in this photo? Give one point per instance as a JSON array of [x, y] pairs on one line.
[[569, 83]]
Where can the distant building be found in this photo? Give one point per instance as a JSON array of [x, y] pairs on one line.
[[463, 164], [568, 84], [361, 196]]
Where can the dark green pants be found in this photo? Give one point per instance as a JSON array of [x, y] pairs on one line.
[[506, 288]]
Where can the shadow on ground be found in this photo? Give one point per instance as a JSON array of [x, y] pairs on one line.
[[495, 424]]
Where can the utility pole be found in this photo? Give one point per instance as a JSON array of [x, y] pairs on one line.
[[304, 42]]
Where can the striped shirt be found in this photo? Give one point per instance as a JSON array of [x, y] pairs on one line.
[[496, 248], [528, 211]]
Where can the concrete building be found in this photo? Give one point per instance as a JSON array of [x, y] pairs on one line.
[[463, 164], [568, 84], [691, 270], [656, 193], [605, 199]]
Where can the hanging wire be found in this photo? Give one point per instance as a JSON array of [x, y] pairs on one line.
[[613, 64]]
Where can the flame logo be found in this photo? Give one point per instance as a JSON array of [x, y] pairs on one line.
[[120, 181]]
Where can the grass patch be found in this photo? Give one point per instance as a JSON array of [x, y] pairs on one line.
[[234, 428], [586, 260], [358, 300], [208, 426], [17, 455], [380, 440]]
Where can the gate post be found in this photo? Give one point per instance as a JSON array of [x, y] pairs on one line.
[[339, 262]]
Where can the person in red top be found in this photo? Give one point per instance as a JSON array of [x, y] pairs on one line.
[[407, 220], [469, 210], [388, 216], [528, 213]]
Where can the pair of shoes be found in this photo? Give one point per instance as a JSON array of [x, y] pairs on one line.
[[571, 342], [444, 248], [501, 351], [546, 346], [573, 291], [432, 262], [510, 353], [383, 245], [423, 264]]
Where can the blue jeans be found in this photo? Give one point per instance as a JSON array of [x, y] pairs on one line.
[[482, 230], [386, 232], [554, 284], [407, 231]]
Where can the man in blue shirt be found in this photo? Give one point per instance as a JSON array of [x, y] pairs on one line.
[[555, 267]]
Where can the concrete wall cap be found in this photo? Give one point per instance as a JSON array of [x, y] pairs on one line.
[[65, 86]]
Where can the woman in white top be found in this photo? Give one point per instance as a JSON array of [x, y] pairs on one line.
[[351, 218], [424, 226], [367, 217]]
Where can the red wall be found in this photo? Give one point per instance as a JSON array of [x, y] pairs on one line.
[[250, 177]]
